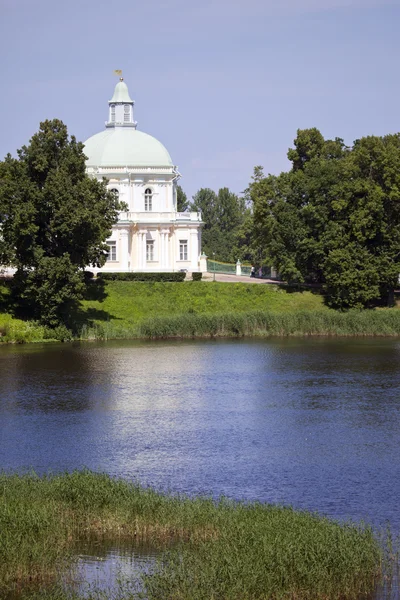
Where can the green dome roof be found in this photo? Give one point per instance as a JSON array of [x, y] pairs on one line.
[[125, 146]]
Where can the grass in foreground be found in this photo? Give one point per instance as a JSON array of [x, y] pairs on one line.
[[221, 549]]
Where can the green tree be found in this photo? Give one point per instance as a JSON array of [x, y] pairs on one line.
[[308, 144], [244, 248], [335, 217], [278, 230], [182, 203], [204, 201], [367, 215], [223, 214], [54, 220]]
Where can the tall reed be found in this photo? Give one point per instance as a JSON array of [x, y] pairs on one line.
[[268, 323], [221, 549]]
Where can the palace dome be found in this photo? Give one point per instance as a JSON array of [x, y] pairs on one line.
[[121, 145]]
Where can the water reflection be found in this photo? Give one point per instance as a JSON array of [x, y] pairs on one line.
[[308, 422], [49, 378], [111, 567]]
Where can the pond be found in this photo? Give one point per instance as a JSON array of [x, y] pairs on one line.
[[308, 422]]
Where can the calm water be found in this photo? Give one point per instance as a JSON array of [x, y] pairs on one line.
[[312, 423]]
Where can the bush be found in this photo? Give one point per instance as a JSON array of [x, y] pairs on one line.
[[60, 333], [49, 291], [179, 276], [87, 276], [197, 276]]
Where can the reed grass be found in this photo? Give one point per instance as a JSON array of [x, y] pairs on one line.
[[221, 549], [253, 324], [268, 323]]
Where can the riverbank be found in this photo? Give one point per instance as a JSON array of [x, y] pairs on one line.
[[214, 549], [129, 310]]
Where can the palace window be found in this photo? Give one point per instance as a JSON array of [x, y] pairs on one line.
[[150, 250], [115, 191], [113, 113], [183, 250], [127, 113], [148, 199], [112, 251]]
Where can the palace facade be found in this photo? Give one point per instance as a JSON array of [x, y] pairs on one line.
[[151, 235]]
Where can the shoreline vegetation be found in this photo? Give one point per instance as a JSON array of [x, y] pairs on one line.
[[154, 310], [210, 549]]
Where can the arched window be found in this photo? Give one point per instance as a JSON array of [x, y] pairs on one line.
[[115, 192], [148, 199]]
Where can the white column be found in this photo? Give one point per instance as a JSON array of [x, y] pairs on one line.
[[172, 249], [144, 233], [167, 265], [161, 256], [138, 250], [124, 248], [164, 248], [203, 263], [131, 190], [194, 249], [238, 268]]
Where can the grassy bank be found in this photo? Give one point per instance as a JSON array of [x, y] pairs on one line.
[[18, 331], [221, 549], [119, 309], [134, 301]]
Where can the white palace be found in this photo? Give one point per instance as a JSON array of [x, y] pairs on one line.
[[151, 235]]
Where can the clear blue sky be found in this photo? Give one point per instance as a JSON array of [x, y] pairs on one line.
[[223, 84]]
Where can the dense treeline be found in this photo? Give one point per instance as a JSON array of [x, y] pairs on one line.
[[226, 217], [334, 218]]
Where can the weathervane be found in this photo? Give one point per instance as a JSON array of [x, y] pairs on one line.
[[118, 73]]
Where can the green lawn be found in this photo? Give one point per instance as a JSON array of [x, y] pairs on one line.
[[128, 303]]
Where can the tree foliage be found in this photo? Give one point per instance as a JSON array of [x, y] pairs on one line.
[[182, 203], [54, 221], [223, 214], [334, 218]]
